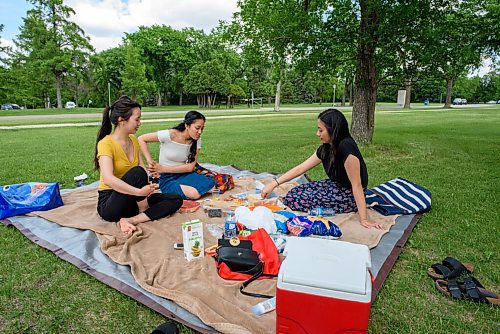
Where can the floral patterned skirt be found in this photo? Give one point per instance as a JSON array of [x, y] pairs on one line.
[[325, 193]]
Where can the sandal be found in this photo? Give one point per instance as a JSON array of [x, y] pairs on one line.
[[449, 288], [449, 268], [470, 289], [476, 292], [166, 328]]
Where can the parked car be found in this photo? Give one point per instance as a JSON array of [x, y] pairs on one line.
[[70, 105], [492, 102], [10, 106], [459, 101]]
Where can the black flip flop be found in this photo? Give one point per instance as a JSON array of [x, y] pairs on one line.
[[449, 268], [449, 288], [475, 291], [469, 289], [166, 328]]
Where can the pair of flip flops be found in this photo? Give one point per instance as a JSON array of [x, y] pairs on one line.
[[446, 274]]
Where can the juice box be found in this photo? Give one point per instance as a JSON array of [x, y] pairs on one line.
[[192, 237]]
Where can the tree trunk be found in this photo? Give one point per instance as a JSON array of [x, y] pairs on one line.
[[363, 112], [408, 93], [278, 96], [449, 85], [180, 98], [58, 90], [158, 98], [345, 93], [351, 92]]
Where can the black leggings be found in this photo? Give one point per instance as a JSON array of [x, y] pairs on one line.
[[112, 205]]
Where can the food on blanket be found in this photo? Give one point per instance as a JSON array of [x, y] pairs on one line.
[[211, 251], [235, 201], [189, 206], [302, 226], [192, 236], [214, 212]]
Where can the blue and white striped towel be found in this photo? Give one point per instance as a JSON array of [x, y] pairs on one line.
[[399, 196]]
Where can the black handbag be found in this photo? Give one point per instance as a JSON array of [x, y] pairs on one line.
[[239, 257]]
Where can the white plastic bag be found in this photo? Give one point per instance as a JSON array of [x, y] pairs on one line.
[[260, 217]]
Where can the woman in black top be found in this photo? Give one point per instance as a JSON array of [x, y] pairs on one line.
[[346, 170]]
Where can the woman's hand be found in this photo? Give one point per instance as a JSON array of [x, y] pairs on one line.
[[191, 166], [369, 224], [147, 190], [268, 189], [154, 168]]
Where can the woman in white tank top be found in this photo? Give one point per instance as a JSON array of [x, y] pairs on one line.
[[179, 149]]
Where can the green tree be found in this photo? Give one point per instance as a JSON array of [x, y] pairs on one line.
[[50, 42], [454, 41], [4, 50], [3, 71], [133, 76], [235, 91], [269, 31], [168, 56], [208, 80], [106, 68]]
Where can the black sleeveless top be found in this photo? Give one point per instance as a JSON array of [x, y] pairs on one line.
[[337, 172]]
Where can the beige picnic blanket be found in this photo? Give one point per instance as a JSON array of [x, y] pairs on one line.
[[195, 285]]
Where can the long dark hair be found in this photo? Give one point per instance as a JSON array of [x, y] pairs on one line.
[[123, 107], [190, 118], [337, 127]]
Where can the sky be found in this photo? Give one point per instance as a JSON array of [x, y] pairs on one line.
[[106, 21]]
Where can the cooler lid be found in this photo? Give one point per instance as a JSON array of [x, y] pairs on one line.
[[326, 264]]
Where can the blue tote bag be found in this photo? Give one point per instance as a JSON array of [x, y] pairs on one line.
[[17, 199]]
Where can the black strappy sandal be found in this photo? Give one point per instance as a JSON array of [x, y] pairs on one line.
[[449, 268]]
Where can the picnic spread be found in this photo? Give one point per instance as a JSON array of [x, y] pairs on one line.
[[197, 285]]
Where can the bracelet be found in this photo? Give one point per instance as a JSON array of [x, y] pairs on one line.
[[276, 179]]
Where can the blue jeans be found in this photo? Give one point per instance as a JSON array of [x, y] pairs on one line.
[[170, 183]]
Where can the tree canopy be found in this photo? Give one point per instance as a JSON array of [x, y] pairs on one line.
[[286, 51]]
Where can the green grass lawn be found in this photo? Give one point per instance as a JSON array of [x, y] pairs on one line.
[[453, 153]]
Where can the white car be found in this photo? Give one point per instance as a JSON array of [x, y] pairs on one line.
[[492, 102], [70, 105], [459, 101]]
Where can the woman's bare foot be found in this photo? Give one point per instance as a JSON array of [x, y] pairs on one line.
[[143, 205], [126, 226]]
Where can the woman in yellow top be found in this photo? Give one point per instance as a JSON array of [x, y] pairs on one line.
[[125, 194]]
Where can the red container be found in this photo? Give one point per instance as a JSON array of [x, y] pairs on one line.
[[324, 286]]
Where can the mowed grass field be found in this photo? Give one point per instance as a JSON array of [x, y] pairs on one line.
[[454, 153]]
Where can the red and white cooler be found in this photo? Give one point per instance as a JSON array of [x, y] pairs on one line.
[[324, 286]]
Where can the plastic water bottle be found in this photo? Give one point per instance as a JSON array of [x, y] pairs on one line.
[[230, 228], [322, 212], [264, 307]]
